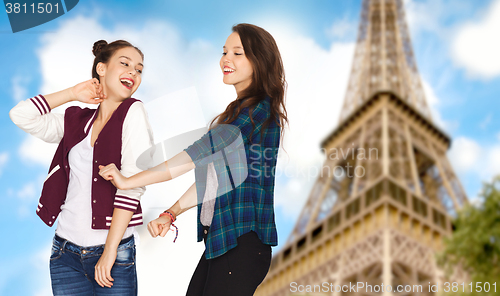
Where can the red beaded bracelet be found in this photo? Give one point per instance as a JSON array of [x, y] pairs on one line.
[[172, 218]]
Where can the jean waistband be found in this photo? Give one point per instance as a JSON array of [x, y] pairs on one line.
[[65, 244]]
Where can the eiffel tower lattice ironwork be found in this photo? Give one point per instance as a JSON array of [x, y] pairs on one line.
[[386, 194]]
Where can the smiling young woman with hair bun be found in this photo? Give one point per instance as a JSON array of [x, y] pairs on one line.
[[93, 251]]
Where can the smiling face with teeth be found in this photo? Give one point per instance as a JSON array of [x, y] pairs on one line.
[[121, 76], [235, 66]]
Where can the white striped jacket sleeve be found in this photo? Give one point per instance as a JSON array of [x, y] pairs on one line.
[[137, 137], [33, 116]]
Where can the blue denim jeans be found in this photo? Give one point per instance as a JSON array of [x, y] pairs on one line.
[[72, 269]]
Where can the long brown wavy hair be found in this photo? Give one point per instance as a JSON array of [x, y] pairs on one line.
[[268, 78]]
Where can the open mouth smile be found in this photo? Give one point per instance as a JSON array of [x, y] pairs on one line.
[[228, 70], [127, 82]]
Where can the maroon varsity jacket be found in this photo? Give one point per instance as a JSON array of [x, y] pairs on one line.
[[107, 149]]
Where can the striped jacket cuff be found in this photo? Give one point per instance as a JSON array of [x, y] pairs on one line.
[[126, 203], [41, 104], [135, 221]]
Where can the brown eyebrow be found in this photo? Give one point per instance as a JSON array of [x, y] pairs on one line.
[[233, 47], [140, 64]]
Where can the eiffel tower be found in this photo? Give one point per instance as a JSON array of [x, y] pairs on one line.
[[387, 193]]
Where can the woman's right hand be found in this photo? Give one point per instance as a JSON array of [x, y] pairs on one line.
[[113, 174], [160, 226], [89, 91]]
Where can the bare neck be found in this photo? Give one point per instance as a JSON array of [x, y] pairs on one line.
[[106, 109]]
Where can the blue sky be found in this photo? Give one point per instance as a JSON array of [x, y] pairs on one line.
[[182, 41]]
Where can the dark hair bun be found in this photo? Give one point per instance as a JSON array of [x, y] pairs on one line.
[[98, 47]]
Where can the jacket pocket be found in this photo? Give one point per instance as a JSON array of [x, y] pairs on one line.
[[52, 171]]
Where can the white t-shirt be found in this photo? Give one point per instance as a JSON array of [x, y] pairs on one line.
[[75, 219]]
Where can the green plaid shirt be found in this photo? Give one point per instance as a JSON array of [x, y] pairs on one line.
[[245, 174]]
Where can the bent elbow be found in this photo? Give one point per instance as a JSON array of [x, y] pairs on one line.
[[14, 115]]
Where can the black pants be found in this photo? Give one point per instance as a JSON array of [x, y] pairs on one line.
[[238, 272]]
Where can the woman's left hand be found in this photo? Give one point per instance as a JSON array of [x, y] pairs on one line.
[[111, 173], [103, 268]]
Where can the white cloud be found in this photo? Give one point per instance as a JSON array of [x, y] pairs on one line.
[[465, 154], [29, 268], [435, 16], [39, 263], [493, 160], [474, 163], [434, 105], [486, 121], [36, 151], [27, 192], [19, 91], [343, 29], [27, 196], [424, 15], [66, 55], [292, 195], [474, 46], [4, 158], [468, 156]]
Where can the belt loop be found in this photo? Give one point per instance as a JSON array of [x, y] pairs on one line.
[[64, 245]]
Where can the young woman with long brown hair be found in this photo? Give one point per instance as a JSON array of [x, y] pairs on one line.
[[238, 226]]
